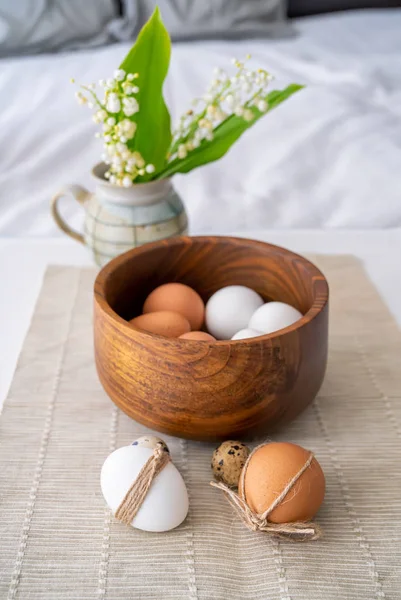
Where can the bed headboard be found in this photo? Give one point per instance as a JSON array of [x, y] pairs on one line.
[[299, 8]]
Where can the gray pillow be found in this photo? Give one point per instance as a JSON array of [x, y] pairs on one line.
[[205, 19], [32, 26]]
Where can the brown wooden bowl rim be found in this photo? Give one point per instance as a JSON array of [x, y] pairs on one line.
[[318, 305]]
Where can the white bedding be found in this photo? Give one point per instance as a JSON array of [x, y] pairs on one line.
[[329, 157]]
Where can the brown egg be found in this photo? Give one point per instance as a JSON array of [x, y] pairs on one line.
[[164, 322], [269, 471], [179, 298], [200, 336]]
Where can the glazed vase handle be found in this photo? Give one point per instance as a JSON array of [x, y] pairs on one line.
[[81, 195]]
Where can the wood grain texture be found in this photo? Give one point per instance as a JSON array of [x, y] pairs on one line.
[[217, 390]]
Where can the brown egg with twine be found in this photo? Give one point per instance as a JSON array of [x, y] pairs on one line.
[[280, 490]]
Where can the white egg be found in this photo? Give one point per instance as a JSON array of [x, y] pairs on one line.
[[243, 334], [230, 309], [166, 503], [274, 316]]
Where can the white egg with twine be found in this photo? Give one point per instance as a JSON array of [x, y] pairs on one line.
[[143, 488]]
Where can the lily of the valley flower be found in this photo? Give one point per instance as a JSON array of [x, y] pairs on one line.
[[130, 106], [113, 103], [118, 129], [240, 95], [225, 96]]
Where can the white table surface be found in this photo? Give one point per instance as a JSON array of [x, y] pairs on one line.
[[23, 263]]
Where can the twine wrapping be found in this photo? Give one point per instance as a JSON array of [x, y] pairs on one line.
[[136, 494], [300, 531]]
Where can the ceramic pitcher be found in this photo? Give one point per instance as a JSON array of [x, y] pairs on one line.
[[118, 219]]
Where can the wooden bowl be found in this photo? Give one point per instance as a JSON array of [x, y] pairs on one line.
[[217, 390]]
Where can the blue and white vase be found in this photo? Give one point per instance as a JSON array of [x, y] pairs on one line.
[[118, 219]]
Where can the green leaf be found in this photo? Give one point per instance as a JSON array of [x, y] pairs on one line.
[[150, 58], [225, 135]]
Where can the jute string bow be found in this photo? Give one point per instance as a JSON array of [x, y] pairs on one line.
[[300, 531], [136, 494]]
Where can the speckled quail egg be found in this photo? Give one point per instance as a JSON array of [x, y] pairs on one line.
[[150, 441], [228, 460]]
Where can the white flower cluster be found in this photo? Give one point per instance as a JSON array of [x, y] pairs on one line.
[[225, 96], [118, 129]]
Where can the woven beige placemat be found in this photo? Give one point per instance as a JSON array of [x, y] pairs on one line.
[[57, 540]]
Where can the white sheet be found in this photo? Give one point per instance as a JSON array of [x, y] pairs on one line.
[[330, 156]]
